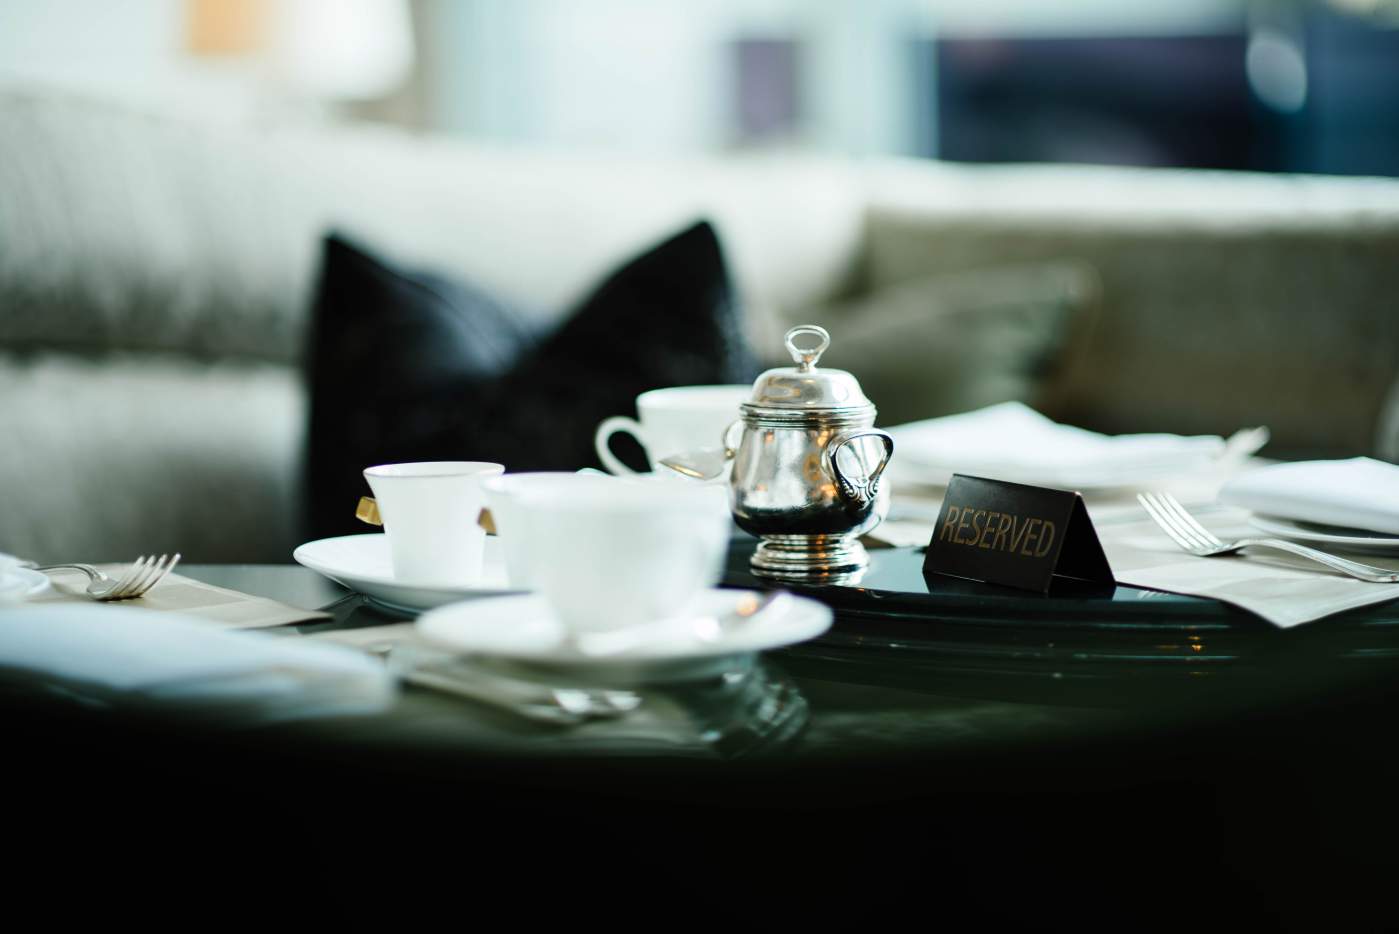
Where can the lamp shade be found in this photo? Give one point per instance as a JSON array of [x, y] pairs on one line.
[[342, 49]]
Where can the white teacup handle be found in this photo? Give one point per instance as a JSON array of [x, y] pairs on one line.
[[605, 431]]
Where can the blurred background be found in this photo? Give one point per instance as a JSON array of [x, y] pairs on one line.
[[1270, 85], [1070, 204]]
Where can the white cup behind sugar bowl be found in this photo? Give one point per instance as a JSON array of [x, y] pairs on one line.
[[430, 511], [503, 499], [715, 494], [621, 554], [674, 420]]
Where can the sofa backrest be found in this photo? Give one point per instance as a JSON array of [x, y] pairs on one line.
[[155, 277], [1228, 299], [147, 263]]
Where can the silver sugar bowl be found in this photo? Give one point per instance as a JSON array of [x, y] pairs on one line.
[[807, 466]]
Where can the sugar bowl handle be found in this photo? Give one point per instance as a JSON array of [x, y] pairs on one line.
[[806, 357], [857, 491]]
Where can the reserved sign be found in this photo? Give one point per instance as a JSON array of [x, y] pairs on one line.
[[1013, 534]]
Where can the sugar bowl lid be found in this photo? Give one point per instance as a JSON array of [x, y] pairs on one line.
[[804, 387]]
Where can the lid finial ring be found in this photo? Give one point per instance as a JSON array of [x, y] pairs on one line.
[[806, 357]]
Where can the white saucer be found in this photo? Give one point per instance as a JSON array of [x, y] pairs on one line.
[[18, 584], [523, 630], [362, 563], [1358, 540]]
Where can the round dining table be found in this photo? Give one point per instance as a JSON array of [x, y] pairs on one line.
[[1097, 748]]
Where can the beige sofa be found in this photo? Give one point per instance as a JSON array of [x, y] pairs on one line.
[[155, 277]]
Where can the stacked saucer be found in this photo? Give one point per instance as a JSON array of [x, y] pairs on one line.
[[1341, 505], [362, 563]]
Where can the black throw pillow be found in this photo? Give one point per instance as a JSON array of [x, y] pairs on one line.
[[413, 367]]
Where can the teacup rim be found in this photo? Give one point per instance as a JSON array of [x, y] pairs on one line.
[[625, 497], [434, 470], [523, 480], [680, 392]]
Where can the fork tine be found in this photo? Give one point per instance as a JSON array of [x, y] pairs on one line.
[[1159, 519], [134, 576], [133, 579], [1166, 524], [119, 589], [1214, 541], [161, 576], [1167, 519], [1163, 518], [142, 583], [1177, 518]]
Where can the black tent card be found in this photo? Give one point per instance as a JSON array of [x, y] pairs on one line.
[[1014, 534]]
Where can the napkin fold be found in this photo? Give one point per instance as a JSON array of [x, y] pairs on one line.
[[1011, 441], [14, 587], [144, 657], [1359, 493]]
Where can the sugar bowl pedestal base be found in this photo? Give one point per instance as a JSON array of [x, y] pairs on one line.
[[810, 559]]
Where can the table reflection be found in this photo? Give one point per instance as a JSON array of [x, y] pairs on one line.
[[739, 709]]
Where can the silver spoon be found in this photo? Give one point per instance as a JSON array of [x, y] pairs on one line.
[[699, 464], [705, 463]]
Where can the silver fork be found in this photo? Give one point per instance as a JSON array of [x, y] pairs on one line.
[[1190, 535], [136, 581]]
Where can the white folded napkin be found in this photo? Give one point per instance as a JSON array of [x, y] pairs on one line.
[[1359, 493], [1012, 441], [143, 656], [16, 584], [13, 587]]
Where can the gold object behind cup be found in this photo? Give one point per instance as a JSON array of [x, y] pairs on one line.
[[368, 512]]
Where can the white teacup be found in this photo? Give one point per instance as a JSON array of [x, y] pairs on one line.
[[510, 514], [430, 511], [618, 553], [674, 420]]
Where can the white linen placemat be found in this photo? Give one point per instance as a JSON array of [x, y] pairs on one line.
[[1282, 589], [228, 609], [1358, 493], [1285, 590]]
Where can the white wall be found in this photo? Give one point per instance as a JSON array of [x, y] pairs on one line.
[[128, 50], [631, 75], [654, 75]]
